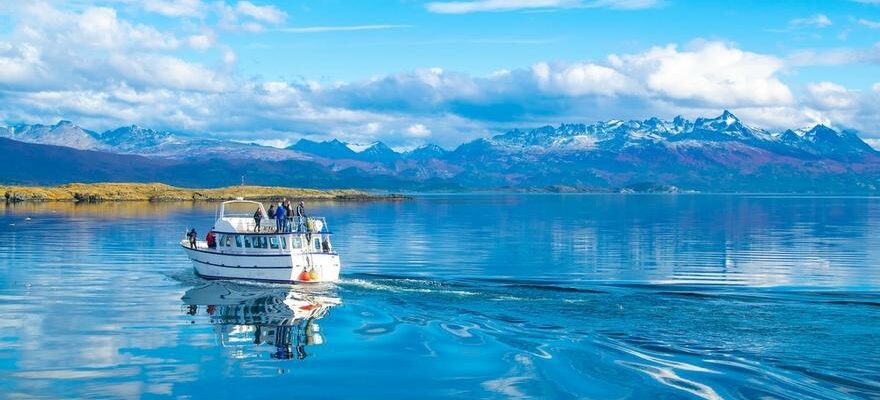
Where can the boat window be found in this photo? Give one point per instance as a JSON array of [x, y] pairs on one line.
[[317, 243], [263, 242], [247, 242], [228, 240], [295, 242], [237, 241], [284, 243], [273, 242]]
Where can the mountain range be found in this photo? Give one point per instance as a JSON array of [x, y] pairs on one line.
[[707, 154]]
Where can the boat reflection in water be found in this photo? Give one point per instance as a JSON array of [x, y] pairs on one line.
[[244, 316]]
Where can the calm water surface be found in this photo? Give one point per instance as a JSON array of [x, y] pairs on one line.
[[488, 296]]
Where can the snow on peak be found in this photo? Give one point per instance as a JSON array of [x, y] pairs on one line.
[[359, 147], [728, 118]]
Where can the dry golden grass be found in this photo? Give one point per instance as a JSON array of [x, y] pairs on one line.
[[93, 192]]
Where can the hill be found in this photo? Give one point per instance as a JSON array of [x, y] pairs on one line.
[[95, 192]]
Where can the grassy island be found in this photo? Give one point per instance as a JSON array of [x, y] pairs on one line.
[[97, 192]]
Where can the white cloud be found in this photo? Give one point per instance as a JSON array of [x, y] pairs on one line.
[[202, 41], [19, 64], [580, 79], [276, 143], [418, 131], [96, 67], [463, 7], [229, 56], [869, 23], [270, 14], [94, 27], [248, 17], [175, 8], [831, 95], [708, 73], [815, 21], [166, 72]]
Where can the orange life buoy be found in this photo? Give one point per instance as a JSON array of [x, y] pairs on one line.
[[304, 276]]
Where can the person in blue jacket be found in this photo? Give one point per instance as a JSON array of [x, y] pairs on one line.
[[279, 218]]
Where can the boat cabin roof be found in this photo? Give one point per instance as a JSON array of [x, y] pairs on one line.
[[237, 217]]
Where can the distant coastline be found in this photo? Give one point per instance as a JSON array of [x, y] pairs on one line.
[[160, 192]]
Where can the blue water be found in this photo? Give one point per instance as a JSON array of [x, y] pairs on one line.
[[473, 296]]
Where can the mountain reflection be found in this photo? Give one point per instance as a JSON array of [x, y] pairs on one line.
[[245, 317]]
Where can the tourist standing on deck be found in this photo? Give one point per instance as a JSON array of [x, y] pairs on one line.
[[192, 235], [279, 218], [258, 216], [289, 220], [211, 239], [300, 216]]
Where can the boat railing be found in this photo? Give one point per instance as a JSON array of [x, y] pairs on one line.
[[297, 225]]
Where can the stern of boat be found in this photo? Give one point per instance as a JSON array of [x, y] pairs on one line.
[[327, 266]]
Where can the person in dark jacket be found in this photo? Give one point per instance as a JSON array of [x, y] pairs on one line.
[[192, 235], [300, 213], [279, 218], [271, 211], [289, 212], [258, 216]]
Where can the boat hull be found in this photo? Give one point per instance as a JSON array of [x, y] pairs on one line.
[[281, 268]]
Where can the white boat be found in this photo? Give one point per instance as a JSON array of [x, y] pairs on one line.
[[243, 251]]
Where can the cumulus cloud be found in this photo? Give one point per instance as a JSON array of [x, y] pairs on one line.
[[202, 41], [19, 63], [709, 73], [580, 79], [101, 70], [94, 27], [418, 131], [831, 95]]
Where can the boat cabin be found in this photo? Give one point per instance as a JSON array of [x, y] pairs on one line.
[[237, 232]]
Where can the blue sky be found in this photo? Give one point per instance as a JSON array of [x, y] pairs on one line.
[[410, 72]]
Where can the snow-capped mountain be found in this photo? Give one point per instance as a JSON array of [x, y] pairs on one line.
[[137, 140], [425, 152], [724, 130], [707, 154], [378, 152], [332, 149], [64, 133]]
